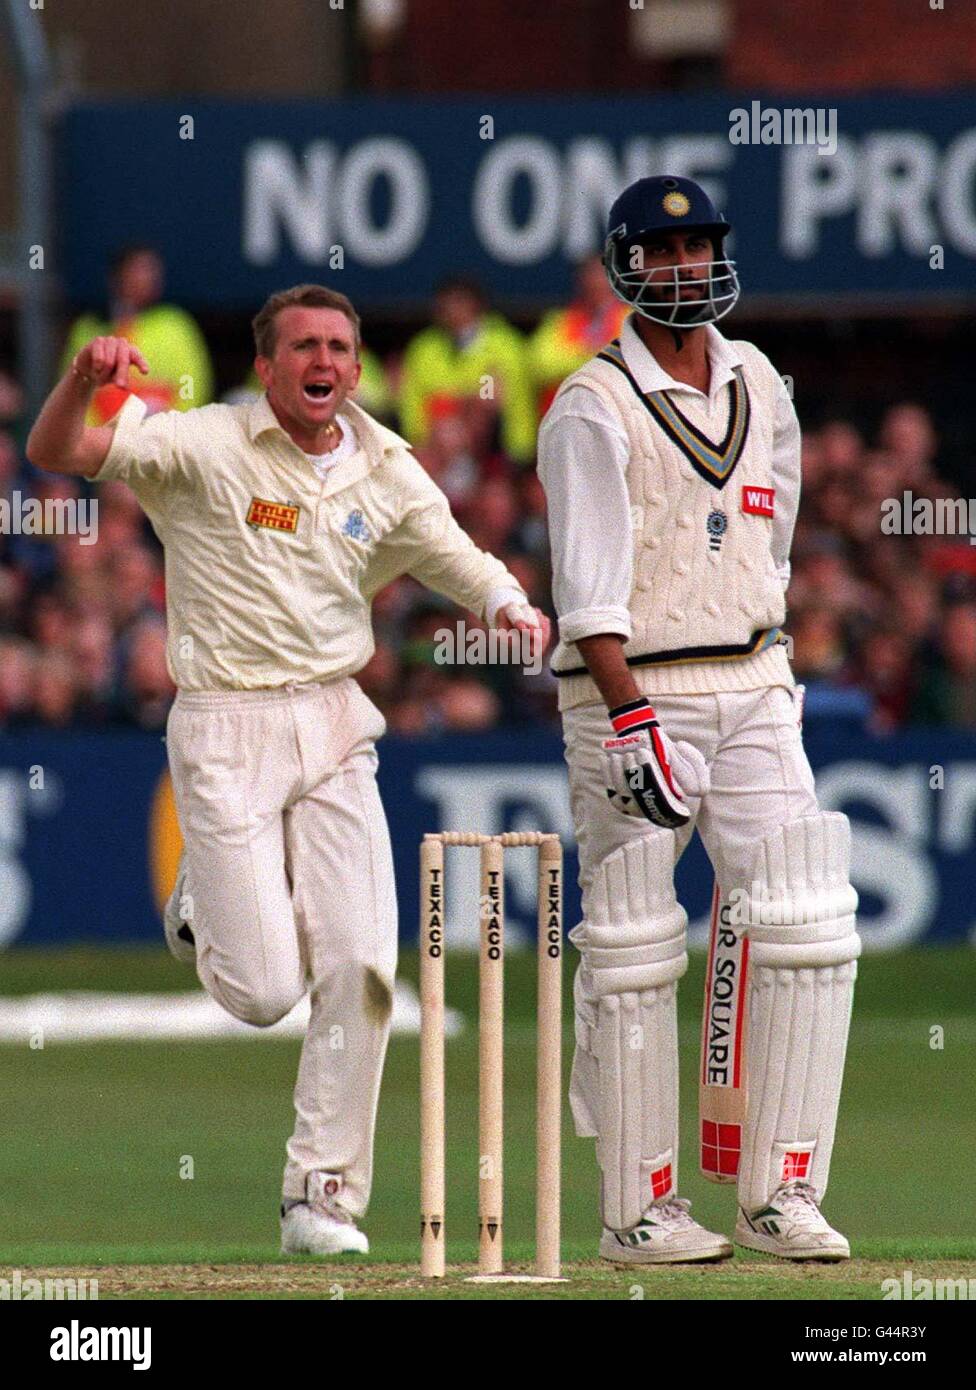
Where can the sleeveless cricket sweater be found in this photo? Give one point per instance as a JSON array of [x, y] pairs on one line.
[[706, 604]]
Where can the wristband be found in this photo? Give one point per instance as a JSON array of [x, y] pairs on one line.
[[636, 714]]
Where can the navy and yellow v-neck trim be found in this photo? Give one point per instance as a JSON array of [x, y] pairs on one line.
[[714, 462]]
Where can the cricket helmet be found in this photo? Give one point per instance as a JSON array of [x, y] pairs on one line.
[[667, 203]]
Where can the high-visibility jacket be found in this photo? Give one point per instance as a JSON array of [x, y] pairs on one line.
[[436, 373], [564, 340], [180, 372]]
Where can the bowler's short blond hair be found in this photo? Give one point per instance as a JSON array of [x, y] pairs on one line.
[[264, 323]]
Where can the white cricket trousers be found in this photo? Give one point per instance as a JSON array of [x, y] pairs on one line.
[[760, 779], [290, 873]]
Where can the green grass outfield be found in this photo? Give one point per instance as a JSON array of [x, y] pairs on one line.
[[94, 1136]]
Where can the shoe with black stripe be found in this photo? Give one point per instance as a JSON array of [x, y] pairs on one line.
[[792, 1226], [666, 1234]]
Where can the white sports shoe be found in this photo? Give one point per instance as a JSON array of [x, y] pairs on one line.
[[179, 937], [791, 1225], [665, 1234], [319, 1225]]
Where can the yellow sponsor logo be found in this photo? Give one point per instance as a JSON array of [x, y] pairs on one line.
[[273, 516]]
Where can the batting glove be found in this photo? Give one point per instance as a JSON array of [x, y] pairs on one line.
[[648, 774]]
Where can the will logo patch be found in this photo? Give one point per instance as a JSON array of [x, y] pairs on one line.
[[758, 501], [273, 516]]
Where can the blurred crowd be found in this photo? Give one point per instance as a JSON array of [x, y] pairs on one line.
[[882, 626], [890, 616]]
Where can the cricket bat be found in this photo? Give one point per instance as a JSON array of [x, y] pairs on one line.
[[722, 1088]]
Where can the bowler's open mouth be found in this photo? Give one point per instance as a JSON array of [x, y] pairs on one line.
[[317, 391]]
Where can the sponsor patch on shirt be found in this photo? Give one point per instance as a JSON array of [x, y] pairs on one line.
[[273, 516], [758, 500]]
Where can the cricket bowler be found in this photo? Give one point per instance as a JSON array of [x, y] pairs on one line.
[[280, 519], [671, 464]]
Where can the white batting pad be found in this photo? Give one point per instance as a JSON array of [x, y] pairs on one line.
[[803, 953], [637, 1144], [624, 1087], [633, 937]]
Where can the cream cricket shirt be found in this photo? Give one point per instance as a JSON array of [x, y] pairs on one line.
[[699, 589], [270, 568]]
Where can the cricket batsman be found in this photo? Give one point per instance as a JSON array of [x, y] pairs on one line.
[[280, 519], [671, 464]]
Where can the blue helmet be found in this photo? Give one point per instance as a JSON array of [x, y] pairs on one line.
[[666, 204]]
